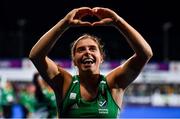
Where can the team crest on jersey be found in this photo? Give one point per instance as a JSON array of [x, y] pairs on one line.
[[102, 103], [102, 106]]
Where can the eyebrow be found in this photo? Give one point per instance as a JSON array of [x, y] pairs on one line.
[[91, 46]]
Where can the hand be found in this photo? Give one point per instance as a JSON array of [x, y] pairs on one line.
[[106, 16], [73, 18]]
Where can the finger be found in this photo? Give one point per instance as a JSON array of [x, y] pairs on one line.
[[83, 11], [99, 12], [81, 8], [73, 13], [76, 21], [102, 13], [97, 8], [85, 23], [103, 22], [81, 23], [95, 11]]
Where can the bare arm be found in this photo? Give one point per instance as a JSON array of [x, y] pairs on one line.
[[129, 70], [38, 54], [123, 75]]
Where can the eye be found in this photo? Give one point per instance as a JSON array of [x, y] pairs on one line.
[[80, 49], [93, 48]]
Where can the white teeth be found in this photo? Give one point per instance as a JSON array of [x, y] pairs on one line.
[[87, 61]]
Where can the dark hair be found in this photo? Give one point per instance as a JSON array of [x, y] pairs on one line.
[[94, 38]]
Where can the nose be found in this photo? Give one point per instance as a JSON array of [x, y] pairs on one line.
[[87, 51]]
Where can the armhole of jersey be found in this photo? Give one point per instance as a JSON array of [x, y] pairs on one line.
[[104, 78], [68, 91]]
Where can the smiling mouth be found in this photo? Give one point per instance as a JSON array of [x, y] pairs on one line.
[[88, 61]]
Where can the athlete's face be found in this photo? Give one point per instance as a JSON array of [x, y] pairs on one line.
[[87, 56]]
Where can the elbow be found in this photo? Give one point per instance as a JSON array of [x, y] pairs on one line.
[[32, 56], [145, 55], [36, 57], [148, 54]]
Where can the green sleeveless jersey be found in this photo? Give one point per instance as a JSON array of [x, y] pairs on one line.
[[103, 106]]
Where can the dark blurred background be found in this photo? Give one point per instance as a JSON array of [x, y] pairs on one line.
[[23, 22]]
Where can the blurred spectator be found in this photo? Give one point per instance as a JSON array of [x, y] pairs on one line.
[[0, 99], [45, 96], [7, 99], [27, 98]]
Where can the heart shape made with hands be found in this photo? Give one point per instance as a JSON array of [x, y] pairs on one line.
[[94, 17], [90, 18], [86, 15]]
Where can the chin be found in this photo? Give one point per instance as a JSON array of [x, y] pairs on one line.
[[87, 70]]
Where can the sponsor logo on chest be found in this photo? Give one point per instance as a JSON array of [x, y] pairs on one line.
[[72, 96]]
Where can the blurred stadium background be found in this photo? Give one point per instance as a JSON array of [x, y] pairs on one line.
[[155, 93]]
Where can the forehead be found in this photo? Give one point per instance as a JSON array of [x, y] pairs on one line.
[[86, 42]]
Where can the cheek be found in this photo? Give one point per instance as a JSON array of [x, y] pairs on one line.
[[100, 58], [74, 63], [76, 60]]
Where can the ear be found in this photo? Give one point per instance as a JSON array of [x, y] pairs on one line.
[[102, 59], [74, 63]]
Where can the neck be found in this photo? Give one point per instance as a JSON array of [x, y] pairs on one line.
[[89, 86], [89, 79]]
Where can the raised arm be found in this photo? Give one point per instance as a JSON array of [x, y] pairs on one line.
[[38, 54], [123, 75]]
